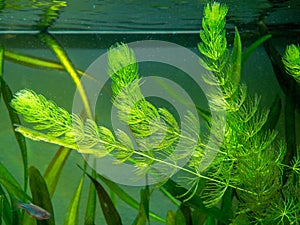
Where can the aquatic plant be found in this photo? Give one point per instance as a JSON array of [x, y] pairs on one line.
[[249, 176], [291, 61]]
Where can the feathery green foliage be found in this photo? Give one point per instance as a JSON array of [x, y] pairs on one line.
[[291, 61], [248, 165], [250, 157]]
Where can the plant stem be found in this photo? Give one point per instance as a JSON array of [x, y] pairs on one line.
[[290, 132], [63, 58]]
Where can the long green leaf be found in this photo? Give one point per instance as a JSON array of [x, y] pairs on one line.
[[210, 221], [127, 198], [14, 119], [198, 217], [180, 218], [72, 212], [143, 215], [170, 220], [40, 195], [273, 116], [32, 61], [110, 213], [253, 46], [226, 205], [55, 167], [145, 200], [183, 215], [7, 212], [65, 61], [11, 185], [236, 60], [40, 63], [1, 208], [1, 65], [91, 203]]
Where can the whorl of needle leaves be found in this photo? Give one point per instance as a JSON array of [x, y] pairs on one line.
[[291, 61], [250, 160], [37, 109], [155, 132]]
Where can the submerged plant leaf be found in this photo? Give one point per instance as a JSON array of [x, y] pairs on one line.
[[55, 167], [143, 215], [170, 219], [65, 61], [6, 212], [198, 217], [110, 213], [89, 218], [11, 185], [183, 215], [254, 46], [1, 65], [226, 205], [236, 61], [40, 63], [1, 208], [73, 209], [40, 195], [126, 197], [273, 116], [14, 119]]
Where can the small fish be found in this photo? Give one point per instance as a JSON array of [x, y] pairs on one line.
[[34, 211]]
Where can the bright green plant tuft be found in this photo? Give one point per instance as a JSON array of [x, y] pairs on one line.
[[291, 61]]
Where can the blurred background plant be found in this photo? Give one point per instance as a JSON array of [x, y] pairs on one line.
[[254, 178]]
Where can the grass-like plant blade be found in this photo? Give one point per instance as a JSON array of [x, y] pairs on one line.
[[110, 213], [40, 195], [180, 218], [6, 208], [236, 60], [145, 199], [273, 116], [198, 217], [143, 215], [210, 221], [226, 204], [55, 167], [171, 197], [11, 185], [1, 65], [32, 61], [37, 62], [14, 119], [63, 58], [170, 219], [253, 46], [127, 198], [1, 208], [91, 203], [183, 215], [72, 212], [7, 96]]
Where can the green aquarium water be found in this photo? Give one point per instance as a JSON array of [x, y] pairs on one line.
[[159, 112]]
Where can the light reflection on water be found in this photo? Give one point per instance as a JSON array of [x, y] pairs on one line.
[[138, 16]]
